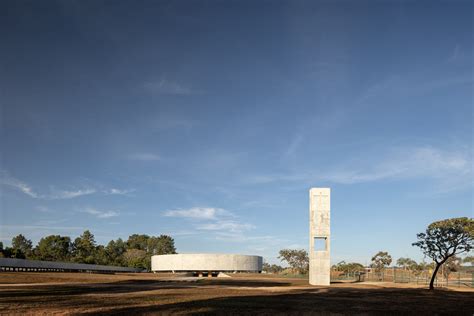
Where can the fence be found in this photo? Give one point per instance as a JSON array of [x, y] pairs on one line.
[[454, 279], [16, 265]]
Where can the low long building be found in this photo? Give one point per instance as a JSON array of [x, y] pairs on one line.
[[10, 264], [210, 263]]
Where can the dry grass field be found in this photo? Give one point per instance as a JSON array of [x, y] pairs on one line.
[[125, 294]]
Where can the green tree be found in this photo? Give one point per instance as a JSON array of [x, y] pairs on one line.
[[348, 267], [469, 259], [422, 267], [160, 245], [152, 245], [271, 268], [266, 267], [101, 256], [445, 239], [137, 241], [453, 264], [84, 248], [115, 250], [297, 259], [53, 248], [381, 260], [136, 258], [406, 263], [21, 247], [275, 268]]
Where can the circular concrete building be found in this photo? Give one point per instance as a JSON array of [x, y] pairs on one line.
[[210, 263]]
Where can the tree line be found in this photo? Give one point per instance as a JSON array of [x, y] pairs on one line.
[[135, 252]]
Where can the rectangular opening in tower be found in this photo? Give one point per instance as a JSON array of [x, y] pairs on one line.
[[320, 243]]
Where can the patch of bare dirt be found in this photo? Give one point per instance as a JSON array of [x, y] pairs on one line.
[[142, 294]]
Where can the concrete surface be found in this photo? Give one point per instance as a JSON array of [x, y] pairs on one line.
[[319, 236], [206, 262]]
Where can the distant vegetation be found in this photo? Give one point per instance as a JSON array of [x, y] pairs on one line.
[[135, 252], [381, 260], [350, 267], [442, 242], [297, 259]]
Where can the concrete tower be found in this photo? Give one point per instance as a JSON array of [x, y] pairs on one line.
[[319, 234]]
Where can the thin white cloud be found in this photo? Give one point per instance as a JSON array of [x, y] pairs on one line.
[[164, 122], [144, 157], [56, 194], [165, 86], [27, 227], [228, 225], [49, 222], [63, 194], [21, 186], [203, 213], [115, 191], [294, 144], [405, 163], [44, 209], [447, 169], [101, 214], [212, 219], [456, 54]]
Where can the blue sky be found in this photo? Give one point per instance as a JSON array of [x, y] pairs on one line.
[[210, 120]]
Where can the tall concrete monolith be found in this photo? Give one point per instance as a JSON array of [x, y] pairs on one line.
[[319, 236]]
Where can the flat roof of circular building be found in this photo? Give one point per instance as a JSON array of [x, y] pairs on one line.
[[189, 262]]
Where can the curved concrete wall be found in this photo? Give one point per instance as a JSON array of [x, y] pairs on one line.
[[206, 262]]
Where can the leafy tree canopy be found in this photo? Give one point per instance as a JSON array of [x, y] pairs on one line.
[[445, 239], [297, 259], [407, 263], [53, 248], [84, 248], [348, 267], [381, 260]]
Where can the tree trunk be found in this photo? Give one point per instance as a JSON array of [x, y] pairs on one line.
[[438, 265], [434, 275]]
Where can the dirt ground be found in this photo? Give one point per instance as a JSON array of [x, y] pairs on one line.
[[125, 294]]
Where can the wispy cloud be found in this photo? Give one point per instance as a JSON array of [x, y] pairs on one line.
[[17, 184], [457, 54], [404, 163], [115, 191], [101, 214], [44, 209], [42, 227], [64, 194], [165, 86], [228, 225], [172, 122], [58, 194], [53, 195], [211, 219], [204, 213], [294, 144], [144, 157], [449, 168]]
